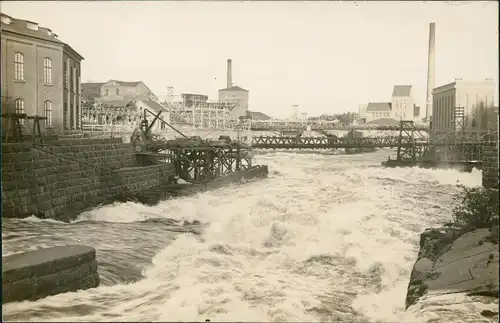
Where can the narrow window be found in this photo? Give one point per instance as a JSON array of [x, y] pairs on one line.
[[65, 116], [32, 26], [117, 91], [71, 121], [78, 83], [71, 82], [47, 109], [66, 78], [20, 109], [107, 92], [65, 75], [18, 67], [47, 70]]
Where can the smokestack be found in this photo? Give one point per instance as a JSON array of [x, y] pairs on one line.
[[430, 70], [229, 74]]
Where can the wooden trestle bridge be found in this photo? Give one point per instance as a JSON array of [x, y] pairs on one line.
[[197, 160], [412, 143]]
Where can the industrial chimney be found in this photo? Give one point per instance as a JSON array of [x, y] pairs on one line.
[[430, 70], [229, 74]]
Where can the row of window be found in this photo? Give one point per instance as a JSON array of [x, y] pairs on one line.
[[444, 118], [47, 71], [381, 114], [117, 92], [19, 68], [400, 109], [47, 109], [71, 77]]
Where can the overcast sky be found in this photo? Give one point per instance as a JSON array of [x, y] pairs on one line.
[[325, 56]]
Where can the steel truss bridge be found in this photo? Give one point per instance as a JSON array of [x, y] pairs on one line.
[[412, 143], [290, 126]]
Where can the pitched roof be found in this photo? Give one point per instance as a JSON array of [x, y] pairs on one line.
[[69, 49], [234, 88], [384, 122], [378, 106], [401, 90], [258, 116], [19, 26], [153, 105], [116, 103], [91, 90], [124, 83]]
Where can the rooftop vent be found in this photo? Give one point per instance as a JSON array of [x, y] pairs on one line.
[[49, 32], [32, 26], [6, 20], [55, 35]]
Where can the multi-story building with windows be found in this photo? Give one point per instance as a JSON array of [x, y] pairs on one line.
[[464, 106], [402, 103], [401, 107], [377, 110], [40, 74]]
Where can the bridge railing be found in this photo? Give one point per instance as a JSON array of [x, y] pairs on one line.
[[323, 142], [390, 141], [257, 125]]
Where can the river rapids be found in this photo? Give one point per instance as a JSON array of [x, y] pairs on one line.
[[324, 238]]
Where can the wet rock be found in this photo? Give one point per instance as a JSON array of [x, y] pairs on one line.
[[453, 261]]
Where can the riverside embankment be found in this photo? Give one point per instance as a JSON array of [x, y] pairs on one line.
[[457, 264], [456, 269], [61, 179]]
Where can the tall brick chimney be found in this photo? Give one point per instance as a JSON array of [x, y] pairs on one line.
[[431, 77], [229, 74]]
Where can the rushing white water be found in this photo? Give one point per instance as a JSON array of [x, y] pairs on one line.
[[324, 238]]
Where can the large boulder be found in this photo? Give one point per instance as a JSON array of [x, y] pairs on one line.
[[453, 262]]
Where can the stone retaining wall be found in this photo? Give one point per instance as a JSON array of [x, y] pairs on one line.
[[490, 163], [36, 274], [65, 177]]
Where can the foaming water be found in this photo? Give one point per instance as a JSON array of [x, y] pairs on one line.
[[324, 238]]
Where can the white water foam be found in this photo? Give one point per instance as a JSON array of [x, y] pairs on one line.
[[327, 238]]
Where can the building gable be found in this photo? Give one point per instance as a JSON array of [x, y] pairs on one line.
[[110, 83]]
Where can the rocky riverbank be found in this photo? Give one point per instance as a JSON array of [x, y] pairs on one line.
[[456, 271]]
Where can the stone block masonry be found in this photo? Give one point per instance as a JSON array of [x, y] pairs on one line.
[[63, 178], [490, 163], [36, 274]]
